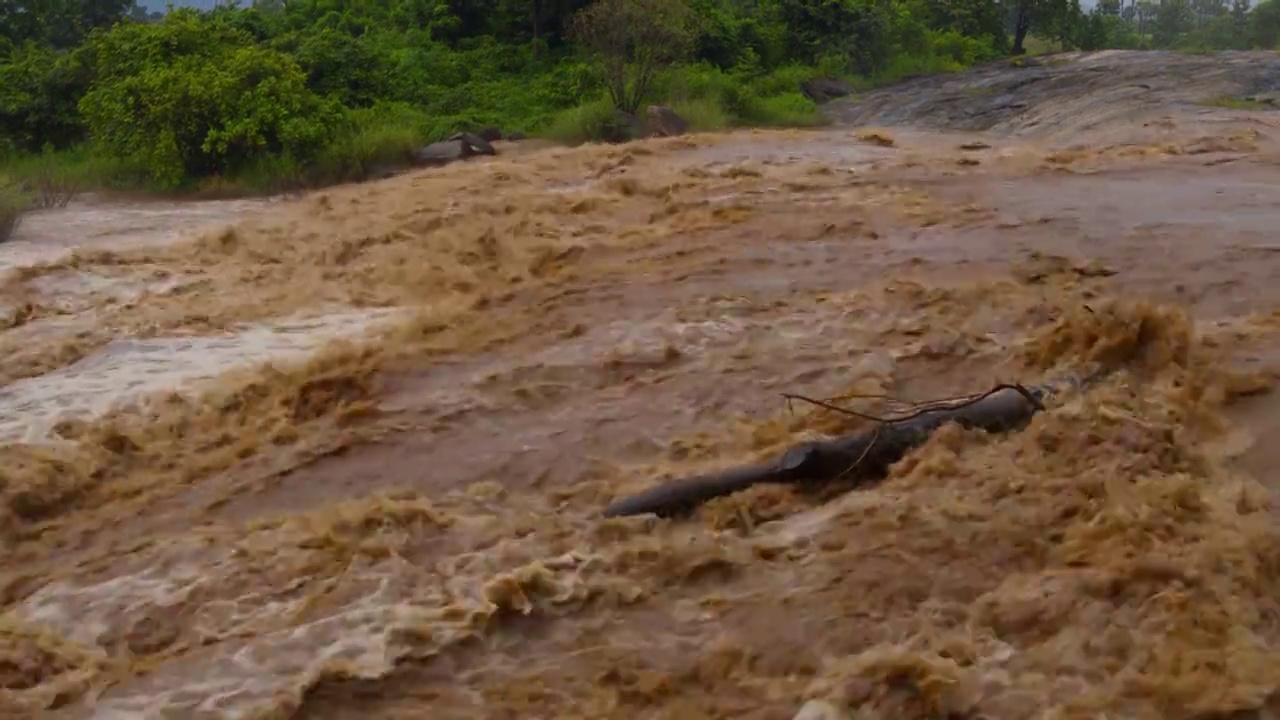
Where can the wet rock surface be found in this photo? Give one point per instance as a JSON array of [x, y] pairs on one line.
[[1065, 93]]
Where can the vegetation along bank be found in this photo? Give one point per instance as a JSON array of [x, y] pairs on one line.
[[102, 94]]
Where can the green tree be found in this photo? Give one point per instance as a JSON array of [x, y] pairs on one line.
[[1264, 24], [1026, 15], [858, 31], [1096, 31], [632, 41], [1239, 19], [39, 90], [972, 18], [356, 71], [189, 98], [1173, 19], [60, 23]]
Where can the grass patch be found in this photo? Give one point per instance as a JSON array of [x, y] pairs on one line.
[[54, 179], [576, 125], [383, 135], [1234, 103], [50, 181], [703, 114], [1040, 46], [13, 204]]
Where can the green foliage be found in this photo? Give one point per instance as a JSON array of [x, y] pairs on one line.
[[581, 123], [57, 23], [47, 182], [192, 103], [631, 41], [1234, 103], [80, 167], [370, 138], [744, 98], [14, 202], [860, 32], [276, 94], [709, 98], [978, 19], [1185, 25], [1264, 24], [39, 89]]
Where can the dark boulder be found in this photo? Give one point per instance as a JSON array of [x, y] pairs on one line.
[[821, 90], [478, 145], [458, 147], [662, 121], [441, 153]]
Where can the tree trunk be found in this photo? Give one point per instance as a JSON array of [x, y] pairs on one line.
[[537, 26], [853, 458], [1020, 28]]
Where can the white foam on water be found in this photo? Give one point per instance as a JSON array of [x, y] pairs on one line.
[[128, 369], [75, 291], [47, 235], [260, 650]]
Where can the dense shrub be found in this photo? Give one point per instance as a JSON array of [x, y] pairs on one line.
[[185, 101]]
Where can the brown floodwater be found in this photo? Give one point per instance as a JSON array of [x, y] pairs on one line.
[[344, 455]]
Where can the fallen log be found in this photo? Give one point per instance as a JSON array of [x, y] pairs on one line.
[[853, 458]]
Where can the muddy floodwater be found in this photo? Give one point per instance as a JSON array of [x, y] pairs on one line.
[[344, 455]]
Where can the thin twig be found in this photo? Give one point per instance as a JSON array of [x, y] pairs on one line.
[[834, 408]]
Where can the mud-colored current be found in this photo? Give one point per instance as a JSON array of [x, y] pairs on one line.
[[343, 456]]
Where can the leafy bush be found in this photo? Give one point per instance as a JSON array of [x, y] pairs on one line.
[[185, 106], [210, 116]]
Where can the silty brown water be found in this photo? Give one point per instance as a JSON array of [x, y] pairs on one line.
[[407, 522]]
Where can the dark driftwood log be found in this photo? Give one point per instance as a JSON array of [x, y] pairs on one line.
[[854, 458]]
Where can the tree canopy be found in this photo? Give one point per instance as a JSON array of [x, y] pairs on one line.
[[334, 85]]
